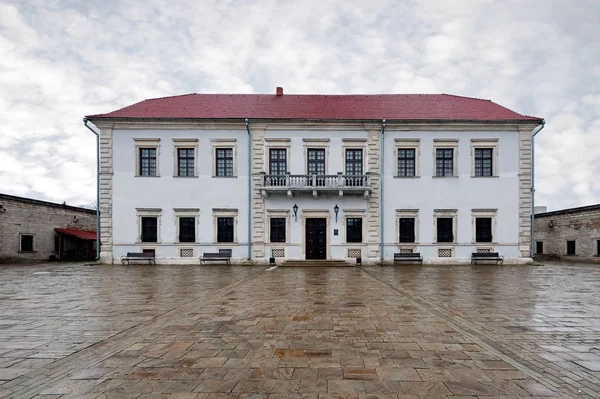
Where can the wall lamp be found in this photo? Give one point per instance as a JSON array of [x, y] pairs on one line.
[[336, 209], [295, 209]]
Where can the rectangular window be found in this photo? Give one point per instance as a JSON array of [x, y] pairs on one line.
[[187, 229], [444, 162], [483, 161], [224, 162], [407, 229], [26, 243], [149, 229], [406, 162], [224, 229], [277, 166], [483, 229], [316, 164], [539, 247], [354, 230], [277, 229], [598, 247], [147, 161], [354, 162], [570, 247], [56, 244], [445, 230], [185, 162]]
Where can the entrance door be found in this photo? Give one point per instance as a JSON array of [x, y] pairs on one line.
[[316, 238]]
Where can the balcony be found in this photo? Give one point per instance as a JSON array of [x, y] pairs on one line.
[[342, 184]]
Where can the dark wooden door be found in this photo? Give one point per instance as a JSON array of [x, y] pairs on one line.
[[316, 238]]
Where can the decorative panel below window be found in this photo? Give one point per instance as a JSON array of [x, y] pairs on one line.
[[444, 253], [278, 253], [354, 230], [484, 250], [277, 229], [186, 252], [187, 229], [149, 229], [354, 253], [225, 229], [405, 251]]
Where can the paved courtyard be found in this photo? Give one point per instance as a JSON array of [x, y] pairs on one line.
[[76, 331]]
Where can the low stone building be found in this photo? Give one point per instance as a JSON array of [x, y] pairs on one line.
[[33, 230], [572, 234]]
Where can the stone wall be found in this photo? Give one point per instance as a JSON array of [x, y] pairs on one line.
[[581, 225], [38, 218]]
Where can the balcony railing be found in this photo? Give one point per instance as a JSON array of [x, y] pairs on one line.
[[339, 182]]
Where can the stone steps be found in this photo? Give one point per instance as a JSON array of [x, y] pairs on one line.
[[316, 263]]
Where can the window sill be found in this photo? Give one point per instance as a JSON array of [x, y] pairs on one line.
[[485, 177], [483, 244], [444, 243], [27, 252], [224, 177], [185, 177], [444, 177], [147, 176], [146, 243], [407, 177]]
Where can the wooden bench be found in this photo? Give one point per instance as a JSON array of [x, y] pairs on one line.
[[408, 257], [486, 256], [215, 257], [138, 256]]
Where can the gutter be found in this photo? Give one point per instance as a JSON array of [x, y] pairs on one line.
[[534, 132], [249, 190], [85, 123], [381, 168]]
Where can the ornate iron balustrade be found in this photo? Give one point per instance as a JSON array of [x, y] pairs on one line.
[[315, 183]]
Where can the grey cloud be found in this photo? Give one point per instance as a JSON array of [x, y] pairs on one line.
[[64, 59]]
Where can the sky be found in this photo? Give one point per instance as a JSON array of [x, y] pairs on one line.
[[62, 59]]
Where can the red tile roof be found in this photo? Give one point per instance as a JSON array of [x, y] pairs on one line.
[[83, 234], [331, 107]]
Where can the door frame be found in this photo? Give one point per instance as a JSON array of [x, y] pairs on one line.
[[316, 213]]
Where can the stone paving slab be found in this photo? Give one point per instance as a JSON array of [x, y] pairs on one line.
[[70, 331]]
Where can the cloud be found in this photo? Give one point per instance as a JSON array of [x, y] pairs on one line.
[[62, 60]]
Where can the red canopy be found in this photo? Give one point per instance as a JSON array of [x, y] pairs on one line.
[[83, 234]]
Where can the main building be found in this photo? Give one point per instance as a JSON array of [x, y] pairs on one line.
[[332, 177]]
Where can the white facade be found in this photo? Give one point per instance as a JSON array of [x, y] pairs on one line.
[[127, 197]]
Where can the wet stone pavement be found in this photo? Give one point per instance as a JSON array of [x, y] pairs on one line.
[[75, 331]]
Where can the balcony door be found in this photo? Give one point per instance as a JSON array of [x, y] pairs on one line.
[[354, 167], [316, 165], [316, 238], [277, 166]]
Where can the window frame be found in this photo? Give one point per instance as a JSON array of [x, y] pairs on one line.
[[278, 213], [488, 143], [21, 235], [145, 217], [407, 144], [347, 220], [146, 143], [316, 144], [271, 230], [224, 144], [445, 144], [353, 214], [406, 214], [221, 213], [180, 144], [574, 247], [483, 213], [187, 213], [537, 247], [445, 213], [148, 212]]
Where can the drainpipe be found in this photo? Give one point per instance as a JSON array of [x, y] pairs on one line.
[[381, 168], [249, 191], [533, 134], [85, 122]]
